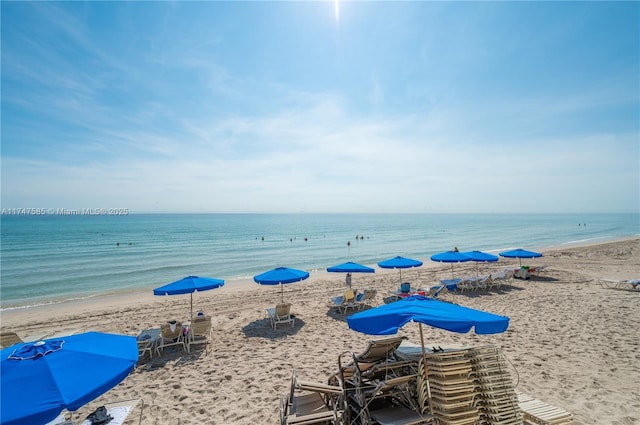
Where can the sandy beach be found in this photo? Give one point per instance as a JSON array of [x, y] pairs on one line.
[[572, 343]]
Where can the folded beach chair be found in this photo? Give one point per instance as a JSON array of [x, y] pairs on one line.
[[170, 335], [309, 404], [385, 402], [9, 338], [200, 332], [280, 314]]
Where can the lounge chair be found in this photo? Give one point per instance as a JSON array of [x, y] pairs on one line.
[[436, 291], [468, 283], [200, 332], [377, 351], [144, 347], [314, 405], [366, 298], [350, 300], [343, 302], [336, 302], [280, 314], [538, 412], [9, 338], [380, 349], [629, 285], [536, 270], [170, 334], [147, 341], [397, 388]]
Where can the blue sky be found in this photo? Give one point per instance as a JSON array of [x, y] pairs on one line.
[[321, 107]]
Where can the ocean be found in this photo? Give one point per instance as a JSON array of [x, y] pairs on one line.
[[52, 258]]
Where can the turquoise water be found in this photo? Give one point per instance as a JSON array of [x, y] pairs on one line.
[[53, 258]]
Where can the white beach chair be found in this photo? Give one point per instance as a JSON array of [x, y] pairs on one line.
[[170, 335], [200, 332], [280, 314]]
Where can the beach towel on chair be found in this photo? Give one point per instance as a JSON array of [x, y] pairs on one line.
[[100, 416]]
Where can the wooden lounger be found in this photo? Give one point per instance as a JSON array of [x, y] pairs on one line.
[[537, 412]]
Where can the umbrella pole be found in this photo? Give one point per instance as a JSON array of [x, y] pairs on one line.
[[191, 306], [452, 277], [426, 369], [281, 293]]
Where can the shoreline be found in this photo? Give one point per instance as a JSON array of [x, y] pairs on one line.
[[239, 284]]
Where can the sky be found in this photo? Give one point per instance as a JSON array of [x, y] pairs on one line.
[[321, 107]]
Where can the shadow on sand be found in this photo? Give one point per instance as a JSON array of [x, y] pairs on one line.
[[261, 328]]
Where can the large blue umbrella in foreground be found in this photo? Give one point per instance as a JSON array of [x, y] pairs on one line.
[[281, 276], [40, 379], [450, 257], [388, 318], [189, 285], [350, 267], [519, 254], [399, 263], [481, 257]]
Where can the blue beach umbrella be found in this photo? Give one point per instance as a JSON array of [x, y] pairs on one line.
[[450, 257], [350, 267], [40, 379], [519, 254], [481, 257], [189, 285], [388, 318], [281, 276], [399, 263]]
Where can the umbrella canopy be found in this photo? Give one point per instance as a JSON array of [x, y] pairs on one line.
[[450, 257], [481, 257], [399, 263], [281, 276], [388, 318], [42, 378], [519, 254], [189, 285], [350, 267]]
